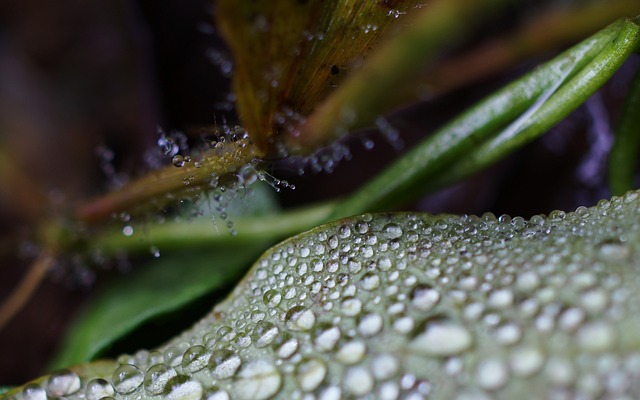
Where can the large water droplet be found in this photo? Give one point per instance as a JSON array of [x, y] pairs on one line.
[[62, 383], [195, 358], [264, 333], [310, 373], [157, 378], [127, 378], [33, 391], [442, 338], [526, 361], [492, 374], [258, 380], [351, 352], [391, 231], [424, 298], [187, 390], [225, 363], [299, 318], [98, 388], [358, 381], [370, 325]]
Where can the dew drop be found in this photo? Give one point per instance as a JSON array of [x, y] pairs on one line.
[[62, 383], [299, 318], [310, 373], [442, 338], [127, 378], [98, 388], [391, 231], [492, 374], [264, 333], [384, 366], [358, 381], [351, 307], [351, 352], [526, 361], [326, 340], [272, 298], [187, 390], [33, 391], [157, 377], [596, 337], [225, 363], [178, 161], [424, 298], [258, 380], [370, 325], [195, 359]]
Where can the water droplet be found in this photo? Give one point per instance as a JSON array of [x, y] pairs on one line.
[[310, 373], [351, 307], [391, 231], [195, 358], [178, 161], [225, 363], [526, 361], [442, 338], [424, 298], [389, 391], [331, 393], [98, 388], [62, 383], [370, 325], [215, 393], [492, 374], [173, 356], [258, 380], [351, 352], [370, 281], [33, 391], [596, 337], [127, 378], [358, 381], [500, 299], [614, 251], [272, 298], [154, 251], [127, 230], [288, 348], [187, 390], [157, 378], [299, 318], [327, 339], [384, 366], [264, 333], [508, 334], [559, 372]]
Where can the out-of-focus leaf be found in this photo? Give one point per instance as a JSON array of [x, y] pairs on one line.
[[166, 285], [290, 55]]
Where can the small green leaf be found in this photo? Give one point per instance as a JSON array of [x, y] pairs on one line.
[[163, 286]]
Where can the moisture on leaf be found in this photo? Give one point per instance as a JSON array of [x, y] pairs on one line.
[[413, 305]]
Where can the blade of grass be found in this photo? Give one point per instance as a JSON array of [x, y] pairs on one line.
[[568, 97], [623, 158], [407, 176]]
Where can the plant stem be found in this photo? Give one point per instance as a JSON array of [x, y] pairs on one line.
[[25, 289], [204, 232], [165, 184], [623, 157], [408, 176]]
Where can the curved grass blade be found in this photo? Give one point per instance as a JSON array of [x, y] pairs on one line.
[[623, 158], [408, 176], [561, 103]]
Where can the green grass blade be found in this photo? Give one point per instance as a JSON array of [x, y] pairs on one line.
[[568, 97], [623, 157], [407, 176]]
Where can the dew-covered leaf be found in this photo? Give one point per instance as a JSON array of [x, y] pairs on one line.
[[289, 55], [412, 305], [163, 286]]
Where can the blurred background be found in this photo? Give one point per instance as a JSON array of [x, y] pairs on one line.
[[85, 87]]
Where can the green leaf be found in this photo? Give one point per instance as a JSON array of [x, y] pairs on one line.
[[461, 306], [168, 284]]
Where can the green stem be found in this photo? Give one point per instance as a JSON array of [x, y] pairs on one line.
[[624, 153], [204, 232], [165, 184], [407, 177]]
